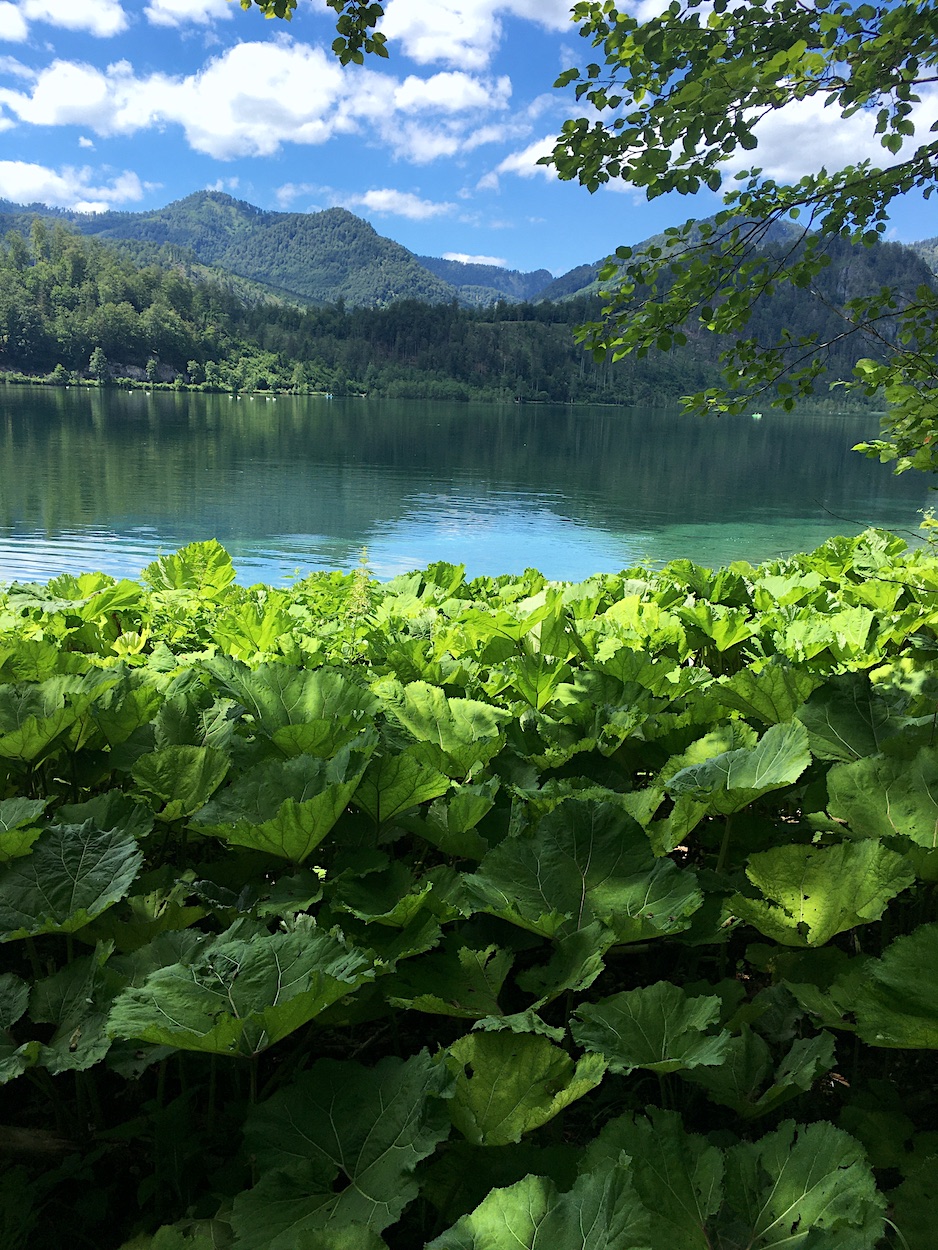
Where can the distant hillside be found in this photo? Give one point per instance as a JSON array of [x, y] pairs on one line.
[[322, 257], [927, 249], [485, 284]]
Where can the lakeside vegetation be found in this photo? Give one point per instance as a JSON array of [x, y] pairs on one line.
[[382, 916]]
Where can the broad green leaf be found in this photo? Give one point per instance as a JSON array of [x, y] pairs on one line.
[[340, 1146], [14, 1059], [71, 874], [771, 694], [32, 719], [183, 777], [575, 963], [730, 782], [468, 731], [520, 1022], [738, 1081], [287, 807], [802, 1186], [601, 1212], [391, 897], [280, 697], [660, 1028], [205, 567], [897, 1002], [243, 993], [510, 1083], [678, 1175], [458, 980], [14, 996], [16, 832], [846, 719], [915, 1205], [393, 783], [812, 893], [76, 1000], [880, 796], [187, 1235], [458, 1179], [450, 823], [585, 862]]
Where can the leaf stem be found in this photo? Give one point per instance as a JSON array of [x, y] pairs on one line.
[[725, 844]]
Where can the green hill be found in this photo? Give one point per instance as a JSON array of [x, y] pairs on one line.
[[320, 257], [486, 284]]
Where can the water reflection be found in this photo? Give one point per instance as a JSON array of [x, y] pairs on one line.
[[108, 479]]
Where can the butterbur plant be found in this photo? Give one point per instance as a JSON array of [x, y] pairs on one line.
[[471, 915]]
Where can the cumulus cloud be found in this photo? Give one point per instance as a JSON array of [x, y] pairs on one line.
[[523, 163], [388, 202], [85, 142], [13, 25], [255, 97], [78, 189], [181, 12], [98, 17], [804, 136], [463, 32], [465, 259]]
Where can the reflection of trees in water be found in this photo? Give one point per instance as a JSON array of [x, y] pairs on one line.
[[255, 466]]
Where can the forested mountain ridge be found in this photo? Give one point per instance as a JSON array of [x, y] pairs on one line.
[[320, 257], [486, 284]]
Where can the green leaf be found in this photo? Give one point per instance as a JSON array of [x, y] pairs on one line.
[[393, 783], [585, 862], [881, 796], [183, 777], [339, 1147], [737, 1082], [287, 807], [204, 567], [600, 1212], [915, 1205], [76, 1000], [16, 832], [575, 963], [771, 694], [897, 1002], [280, 698], [660, 1028], [241, 994], [71, 874], [845, 719], [802, 1186], [731, 781], [510, 1083], [459, 980], [678, 1175], [468, 731], [812, 893]]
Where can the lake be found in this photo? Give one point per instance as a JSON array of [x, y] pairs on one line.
[[109, 479]]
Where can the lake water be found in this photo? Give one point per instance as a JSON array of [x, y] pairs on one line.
[[108, 480]]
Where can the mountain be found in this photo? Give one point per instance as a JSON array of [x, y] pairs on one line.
[[321, 257], [486, 284], [927, 249]]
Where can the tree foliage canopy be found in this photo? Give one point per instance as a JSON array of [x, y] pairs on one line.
[[680, 96]]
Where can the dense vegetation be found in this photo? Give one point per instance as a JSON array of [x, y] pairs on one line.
[[472, 914], [74, 305], [64, 298]]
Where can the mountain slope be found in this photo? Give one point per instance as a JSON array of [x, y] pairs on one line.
[[321, 257], [485, 284]]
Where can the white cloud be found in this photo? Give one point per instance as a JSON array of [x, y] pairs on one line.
[[387, 201], [13, 26], [523, 163], [465, 259], [85, 142], [255, 97], [180, 12], [463, 32], [78, 189], [804, 136], [98, 17], [13, 68]]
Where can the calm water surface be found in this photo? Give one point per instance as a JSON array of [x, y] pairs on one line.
[[109, 480]]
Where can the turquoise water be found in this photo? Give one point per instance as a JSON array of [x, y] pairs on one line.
[[107, 480]]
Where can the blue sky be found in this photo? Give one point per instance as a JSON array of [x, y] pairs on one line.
[[129, 104]]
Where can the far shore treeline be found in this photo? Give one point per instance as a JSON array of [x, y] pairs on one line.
[[75, 309]]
